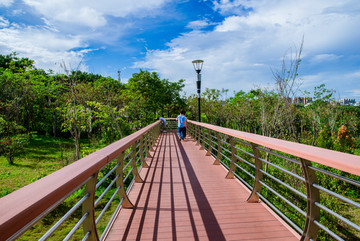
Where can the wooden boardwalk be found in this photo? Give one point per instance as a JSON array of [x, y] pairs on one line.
[[185, 197]]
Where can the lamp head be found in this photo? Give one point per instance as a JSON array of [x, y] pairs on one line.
[[198, 65]]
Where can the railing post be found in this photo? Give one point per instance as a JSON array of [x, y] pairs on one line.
[[219, 150], [254, 197], [230, 174], [134, 171], [152, 140], [142, 158], [208, 153], [197, 134], [313, 195], [201, 136], [147, 144], [126, 203], [192, 131], [88, 208]]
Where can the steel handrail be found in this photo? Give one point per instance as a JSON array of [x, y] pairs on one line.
[[316, 154], [23, 208], [301, 157]]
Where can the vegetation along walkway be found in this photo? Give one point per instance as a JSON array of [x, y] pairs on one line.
[[185, 197]]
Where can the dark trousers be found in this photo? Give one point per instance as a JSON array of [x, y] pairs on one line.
[[182, 132]]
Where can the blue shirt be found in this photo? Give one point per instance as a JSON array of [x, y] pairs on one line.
[[181, 121]]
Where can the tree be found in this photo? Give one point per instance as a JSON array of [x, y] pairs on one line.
[[75, 116], [147, 96], [13, 139]]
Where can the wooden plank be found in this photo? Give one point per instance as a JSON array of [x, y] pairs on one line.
[[186, 197]]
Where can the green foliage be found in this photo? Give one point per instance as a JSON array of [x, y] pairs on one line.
[[12, 139], [322, 94], [325, 138], [147, 96], [79, 103]]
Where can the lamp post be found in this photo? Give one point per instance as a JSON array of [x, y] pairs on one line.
[[198, 66]]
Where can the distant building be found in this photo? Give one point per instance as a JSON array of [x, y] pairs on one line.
[[347, 101], [303, 100]]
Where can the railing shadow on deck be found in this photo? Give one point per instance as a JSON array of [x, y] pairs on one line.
[[211, 225], [289, 173]]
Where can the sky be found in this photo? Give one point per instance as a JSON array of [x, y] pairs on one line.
[[242, 42]]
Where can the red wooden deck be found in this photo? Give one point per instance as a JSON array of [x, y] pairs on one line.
[[186, 197]]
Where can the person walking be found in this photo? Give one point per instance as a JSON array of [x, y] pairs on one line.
[[163, 124], [182, 124]]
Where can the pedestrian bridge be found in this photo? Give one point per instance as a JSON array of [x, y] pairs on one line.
[[217, 184]]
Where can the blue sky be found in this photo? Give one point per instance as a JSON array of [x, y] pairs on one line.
[[240, 41]]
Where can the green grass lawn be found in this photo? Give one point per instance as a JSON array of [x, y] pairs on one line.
[[44, 155]]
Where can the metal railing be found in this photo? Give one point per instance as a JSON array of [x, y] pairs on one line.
[[316, 191], [307, 186], [96, 185]]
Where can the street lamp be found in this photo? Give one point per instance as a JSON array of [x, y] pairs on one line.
[[198, 66]]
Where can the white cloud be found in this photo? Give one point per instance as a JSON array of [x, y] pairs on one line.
[[199, 24], [227, 7], [4, 22], [239, 52], [354, 93], [92, 13], [320, 58], [343, 82], [6, 3], [46, 47]]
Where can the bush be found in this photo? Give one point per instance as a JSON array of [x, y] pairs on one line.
[[344, 142], [324, 139]]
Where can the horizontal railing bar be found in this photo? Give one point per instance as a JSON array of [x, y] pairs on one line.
[[228, 151], [214, 142], [76, 227], [127, 164], [279, 155], [243, 181], [243, 142], [224, 141], [247, 153], [206, 141], [106, 176], [331, 212], [242, 169], [213, 136], [107, 205], [86, 236], [284, 184], [284, 170], [139, 158], [293, 225], [225, 156], [128, 174], [334, 194], [284, 199], [345, 179], [106, 190], [127, 156], [242, 159], [64, 218], [331, 233]]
